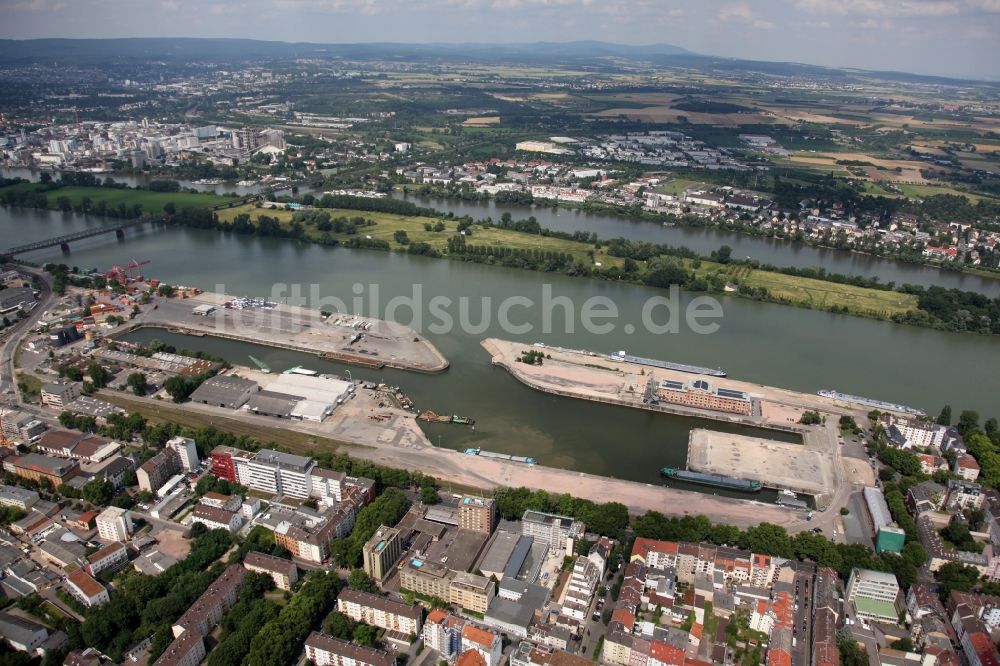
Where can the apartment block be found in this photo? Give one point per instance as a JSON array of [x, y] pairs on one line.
[[381, 552], [58, 395], [156, 471], [552, 530], [186, 451], [478, 514], [379, 611], [114, 524], [283, 572], [208, 609], [471, 592], [113, 556], [87, 591], [486, 643], [443, 633], [323, 650]]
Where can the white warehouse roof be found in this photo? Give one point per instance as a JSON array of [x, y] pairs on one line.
[[313, 388]]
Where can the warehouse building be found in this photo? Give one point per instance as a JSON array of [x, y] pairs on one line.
[[314, 396], [225, 391], [699, 393]]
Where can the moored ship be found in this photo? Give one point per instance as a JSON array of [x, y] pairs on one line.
[[717, 480]]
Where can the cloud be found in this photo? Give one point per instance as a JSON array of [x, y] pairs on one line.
[[742, 13], [887, 8]]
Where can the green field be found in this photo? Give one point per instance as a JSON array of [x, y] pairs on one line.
[[799, 291], [152, 202]]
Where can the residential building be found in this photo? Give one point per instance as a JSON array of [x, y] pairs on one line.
[[58, 394], [21, 426], [443, 633], [379, 611], [486, 643], [187, 650], [874, 594], [381, 552], [556, 532], [911, 433], [208, 609], [113, 556], [471, 592], [214, 518], [430, 578], [114, 524], [186, 451], [307, 534], [88, 591], [527, 654], [478, 514], [156, 471], [37, 467], [323, 650], [966, 467], [283, 572]]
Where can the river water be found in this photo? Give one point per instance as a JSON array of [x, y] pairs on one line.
[[766, 343], [703, 241]]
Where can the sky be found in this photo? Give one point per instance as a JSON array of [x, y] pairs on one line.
[[945, 37]]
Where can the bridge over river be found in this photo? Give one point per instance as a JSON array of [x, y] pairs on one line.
[[63, 241]]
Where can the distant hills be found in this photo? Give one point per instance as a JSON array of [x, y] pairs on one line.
[[595, 54]]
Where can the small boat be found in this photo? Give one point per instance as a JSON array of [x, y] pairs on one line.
[[787, 493]]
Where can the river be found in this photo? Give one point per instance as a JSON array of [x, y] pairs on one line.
[[704, 241], [761, 342]]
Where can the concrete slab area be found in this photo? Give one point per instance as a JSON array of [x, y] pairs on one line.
[[775, 464]]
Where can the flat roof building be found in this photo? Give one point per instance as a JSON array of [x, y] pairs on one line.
[[21, 498], [37, 467], [226, 391], [478, 514], [114, 524], [381, 552], [875, 595], [550, 529]]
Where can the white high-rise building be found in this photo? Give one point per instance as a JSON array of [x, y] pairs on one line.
[[186, 451], [114, 524]]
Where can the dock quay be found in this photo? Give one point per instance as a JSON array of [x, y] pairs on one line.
[[800, 468], [379, 344]]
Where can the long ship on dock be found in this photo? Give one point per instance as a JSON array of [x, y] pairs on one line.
[[667, 365], [871, 402], [716, 480], [527, 460]]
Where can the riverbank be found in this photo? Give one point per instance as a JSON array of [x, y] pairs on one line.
[[407, 447], [537, 251], [362, 341]]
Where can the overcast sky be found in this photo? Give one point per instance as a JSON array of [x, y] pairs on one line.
[[949, 37]]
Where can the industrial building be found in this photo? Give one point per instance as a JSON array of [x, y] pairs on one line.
[[699, 393], [300, 396], [225, 391], [37, 467], [20, 498]]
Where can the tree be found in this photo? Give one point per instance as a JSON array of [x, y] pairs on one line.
[[98, 491], [360, 580], [99, 375], [968, 422], [955, 576], [724, 254], [179, 387], [401, 237], [365, 634], [852, 653], [137, 382], [944, 418], [338, 625]]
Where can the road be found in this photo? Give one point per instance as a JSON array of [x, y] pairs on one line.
[[8, 382]]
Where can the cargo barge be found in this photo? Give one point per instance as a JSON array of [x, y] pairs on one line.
[[667, 365], [792, 503], [527, 460], [871, 402], [717, 480]]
